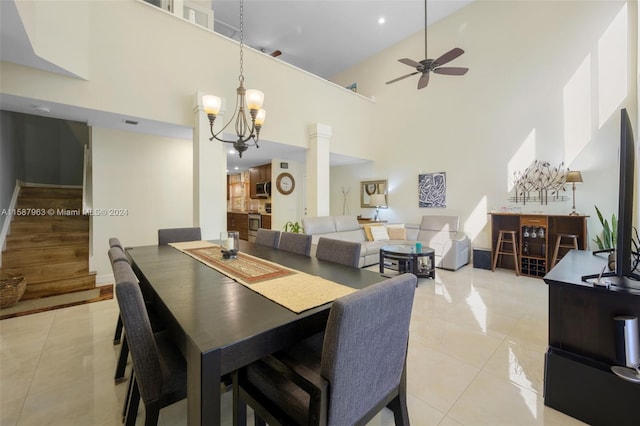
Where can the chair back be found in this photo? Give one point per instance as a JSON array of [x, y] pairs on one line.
[[178, 235], [268, 237], [142, 346], [116, 254], [115, 242], [365, 347], [339, 251], [295, 243]]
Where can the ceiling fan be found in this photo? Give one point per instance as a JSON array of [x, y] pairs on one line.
[[426, 66]]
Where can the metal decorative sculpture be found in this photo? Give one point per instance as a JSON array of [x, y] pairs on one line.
[[539, 181]]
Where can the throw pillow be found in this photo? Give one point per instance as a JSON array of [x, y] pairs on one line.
[[396, 233], [367, 232], [379, 233]]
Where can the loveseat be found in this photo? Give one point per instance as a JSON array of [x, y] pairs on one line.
[[441, 233]]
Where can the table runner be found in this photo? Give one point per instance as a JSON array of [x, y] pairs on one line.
[[295, 290]]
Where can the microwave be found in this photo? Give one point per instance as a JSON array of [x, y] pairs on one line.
[[263, 189]]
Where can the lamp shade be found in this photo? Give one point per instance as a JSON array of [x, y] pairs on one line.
[[211, 104], [574, 176], [254, 99], [262, 114], [378, 200]]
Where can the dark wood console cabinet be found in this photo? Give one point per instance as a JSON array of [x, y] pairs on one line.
[[578, 379], [535, 253]]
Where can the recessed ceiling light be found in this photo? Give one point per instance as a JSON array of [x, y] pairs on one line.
[[41, 108], [231, 151], [132, 122], [381, 20], [236, 168]]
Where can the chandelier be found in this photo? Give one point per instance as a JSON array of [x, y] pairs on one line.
[[247, 134]]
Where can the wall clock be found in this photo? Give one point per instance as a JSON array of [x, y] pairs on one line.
[[285, 183]]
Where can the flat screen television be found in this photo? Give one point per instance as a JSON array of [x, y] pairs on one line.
[[623, 273]]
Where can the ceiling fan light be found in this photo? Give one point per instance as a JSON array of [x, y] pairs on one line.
[[262, 114], [254, 99], [211, 104]]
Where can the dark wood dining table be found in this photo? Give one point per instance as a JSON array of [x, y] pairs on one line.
[[221, 325]]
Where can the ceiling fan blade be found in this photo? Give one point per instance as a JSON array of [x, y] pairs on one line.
[[451, 70], [276, 53], [410, 62], [424, 80], [400, 78], [449, 56]]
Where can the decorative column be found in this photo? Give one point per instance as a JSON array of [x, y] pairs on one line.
[[209, 175], [318, 198]]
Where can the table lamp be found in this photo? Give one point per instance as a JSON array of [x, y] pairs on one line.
[[378, 200], [573, 177]]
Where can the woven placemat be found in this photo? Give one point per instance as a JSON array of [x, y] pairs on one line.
[[295, 290]]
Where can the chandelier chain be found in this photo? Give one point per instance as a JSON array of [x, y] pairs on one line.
[[241, 76]]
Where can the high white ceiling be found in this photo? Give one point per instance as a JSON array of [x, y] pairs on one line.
[[323, 37], [326, 37]]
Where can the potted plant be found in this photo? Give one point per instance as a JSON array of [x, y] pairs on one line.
[[609, 233], [294, 227]]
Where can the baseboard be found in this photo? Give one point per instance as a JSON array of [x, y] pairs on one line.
[[106, 279], [49, 185]]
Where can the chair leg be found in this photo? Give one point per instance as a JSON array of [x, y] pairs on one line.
[[515, 255], [497, 253], [122, 362], [239, 406], [555, 252], [118, 334], [125, 406], [134, 401], [151, 413]]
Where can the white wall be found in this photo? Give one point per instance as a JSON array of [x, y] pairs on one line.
[[546, 82], [150, 178]]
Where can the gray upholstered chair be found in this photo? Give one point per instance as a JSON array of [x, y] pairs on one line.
[[295, 243], [339, 251], [178, 235], [267, 237], [159, 374], [357, 370], [117, 256]]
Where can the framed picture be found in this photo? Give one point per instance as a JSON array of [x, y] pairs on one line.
[[432, 190], [369, 188]]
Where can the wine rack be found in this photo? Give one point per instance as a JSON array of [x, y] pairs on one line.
[[534, 232]]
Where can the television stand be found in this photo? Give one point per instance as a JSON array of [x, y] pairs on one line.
[[581, 352]]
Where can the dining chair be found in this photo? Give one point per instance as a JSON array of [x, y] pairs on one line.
[[117, 256], [339, 251], [178, 235], [159, 374], [357, 370], [268, 237], [118, 259], [295, 243]]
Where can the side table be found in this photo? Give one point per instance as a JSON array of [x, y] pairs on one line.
[[420, 264]]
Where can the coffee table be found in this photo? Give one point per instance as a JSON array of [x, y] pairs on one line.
[[420, 264]]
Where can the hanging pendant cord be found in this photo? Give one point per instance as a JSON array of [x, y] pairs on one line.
[[241, 76]]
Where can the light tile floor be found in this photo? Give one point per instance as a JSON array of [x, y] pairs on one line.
[[476, 357]]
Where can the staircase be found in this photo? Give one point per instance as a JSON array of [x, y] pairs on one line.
[[51, 249]]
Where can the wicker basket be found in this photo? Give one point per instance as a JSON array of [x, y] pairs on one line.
[[11, 290]]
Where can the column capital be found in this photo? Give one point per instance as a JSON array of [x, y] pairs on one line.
[[319, 130]]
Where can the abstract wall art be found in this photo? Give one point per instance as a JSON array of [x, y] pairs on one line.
[[432, 189]]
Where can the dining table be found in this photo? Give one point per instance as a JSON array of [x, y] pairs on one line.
[[221, 325]]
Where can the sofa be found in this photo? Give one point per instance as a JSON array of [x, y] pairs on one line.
[[452, 247]]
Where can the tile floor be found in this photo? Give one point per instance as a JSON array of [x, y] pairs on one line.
[[475, 358]]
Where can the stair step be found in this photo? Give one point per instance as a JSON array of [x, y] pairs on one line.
[[48, 224], [37, 256], [47, 272], [46, 203], [48, 239], [62, 286], [50, 192]]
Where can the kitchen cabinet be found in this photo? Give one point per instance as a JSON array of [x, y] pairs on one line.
[[238, 222], [266, 221], [257, 175]]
